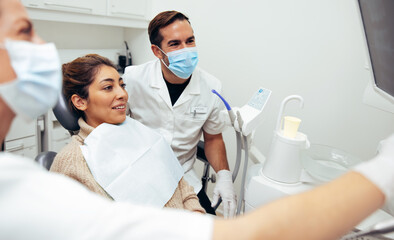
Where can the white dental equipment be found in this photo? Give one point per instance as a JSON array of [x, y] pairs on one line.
[[132, 163], [251, 112], [283, 173], [379, 228], [244, 122], [283, 163]]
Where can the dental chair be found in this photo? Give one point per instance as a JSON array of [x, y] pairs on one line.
[[69, 120], [205, 176], [45, 159]]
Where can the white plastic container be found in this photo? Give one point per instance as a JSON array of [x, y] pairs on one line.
[[284, 162], [284, 158]]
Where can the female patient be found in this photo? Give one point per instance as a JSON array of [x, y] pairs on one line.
[[94, 89]]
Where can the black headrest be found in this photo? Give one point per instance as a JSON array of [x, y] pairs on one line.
[[67, 117]]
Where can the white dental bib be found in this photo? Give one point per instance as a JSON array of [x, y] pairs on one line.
[[132, 163]]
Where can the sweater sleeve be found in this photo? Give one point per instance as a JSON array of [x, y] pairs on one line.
[[190, 199], [70, 162], [185, 198]]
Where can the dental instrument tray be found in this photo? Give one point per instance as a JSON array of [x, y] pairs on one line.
[[325, 163]]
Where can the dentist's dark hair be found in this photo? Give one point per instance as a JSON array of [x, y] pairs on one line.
[[162, 20], [79, 74]]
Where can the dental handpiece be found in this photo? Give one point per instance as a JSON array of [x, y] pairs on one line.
[[240, 121], [229, 110], [379, 228]]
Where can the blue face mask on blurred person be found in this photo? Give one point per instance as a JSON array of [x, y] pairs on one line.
[[182, 62], [38, 83]]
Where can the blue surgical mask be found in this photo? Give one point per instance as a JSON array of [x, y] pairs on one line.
[[38, 83], [182, 62]]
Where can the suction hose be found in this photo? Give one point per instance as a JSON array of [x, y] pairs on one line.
[[238, 138], [242, 192]]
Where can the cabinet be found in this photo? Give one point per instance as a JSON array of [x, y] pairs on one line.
[[56, 136], [42, 134], [97, 7], [26, 146], [122, 13], [128, 8], [23, 138]]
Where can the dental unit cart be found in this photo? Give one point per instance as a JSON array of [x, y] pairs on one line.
[[294, 165], [281, 173], [244, 121]]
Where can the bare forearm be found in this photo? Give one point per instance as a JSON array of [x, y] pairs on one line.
[[215, 151], [326, 212]]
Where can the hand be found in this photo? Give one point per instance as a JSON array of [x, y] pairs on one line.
[[225, 189], [386, 148], [380, 170]]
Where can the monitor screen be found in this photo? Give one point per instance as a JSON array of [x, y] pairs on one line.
[[378, 20]]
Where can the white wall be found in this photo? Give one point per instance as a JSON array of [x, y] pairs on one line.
[[139, 44], [306, 47]]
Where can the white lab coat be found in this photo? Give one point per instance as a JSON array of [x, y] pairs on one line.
[[36, 204], [181, 125]]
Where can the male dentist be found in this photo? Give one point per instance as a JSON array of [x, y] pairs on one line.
[[173, 96]]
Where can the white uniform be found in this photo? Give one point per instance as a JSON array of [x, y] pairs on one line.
[[181, 125], [36, 204]]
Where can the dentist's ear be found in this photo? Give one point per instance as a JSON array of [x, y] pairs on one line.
[[80, 103], [157, 52]]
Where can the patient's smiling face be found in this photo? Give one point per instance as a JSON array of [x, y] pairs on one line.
[[107, 98]]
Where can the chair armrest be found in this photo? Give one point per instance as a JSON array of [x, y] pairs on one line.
[[45, 159], [201, 152]]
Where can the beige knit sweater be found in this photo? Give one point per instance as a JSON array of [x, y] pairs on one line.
[[70, 162]]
